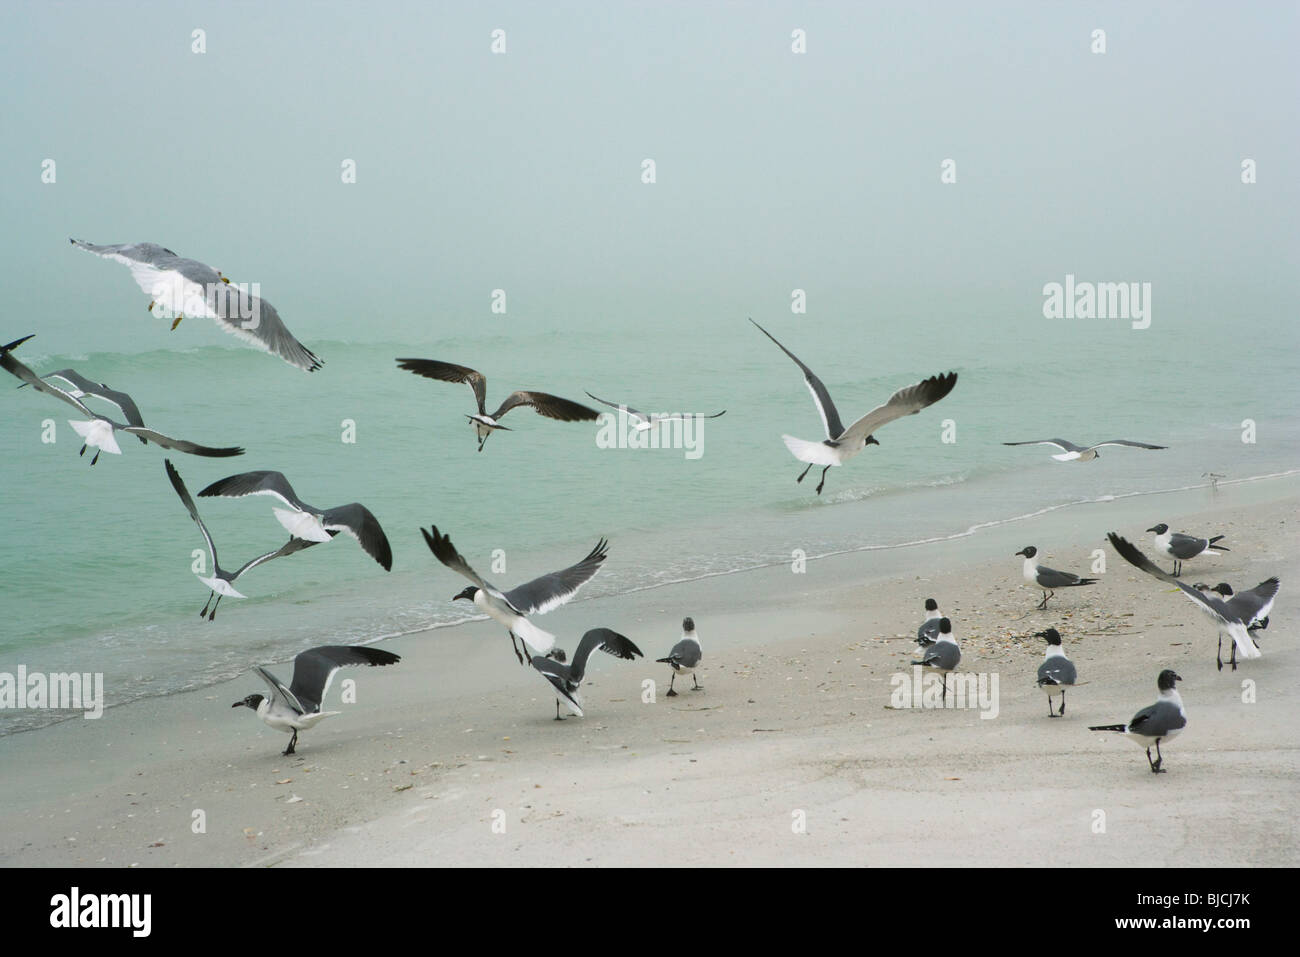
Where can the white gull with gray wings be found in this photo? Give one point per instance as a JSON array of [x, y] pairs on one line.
[[543, 403], [298, 707], [1057, 672], [565, 679], [221, 582], [644, 421], [307, 521], [842, 444], [1048, 579], [685, 657], [183, 287], [1083, 453], [511, 608], [1182, 548], [943, 656], [1231, 619], [98, 432], [1157, 722]]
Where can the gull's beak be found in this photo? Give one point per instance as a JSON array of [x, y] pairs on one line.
[[1152, 529], [237, 704]]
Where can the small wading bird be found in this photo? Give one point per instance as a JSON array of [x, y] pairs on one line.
[[1182, 548], [1157, 722], [566, 679], [644, 421], [183, 287], [221, 582], [1048, 579], [98, 432], [1232, 616], [297, 707], [551, 406], [532, 598], [305, 521], [943, 656], [1057, 672], [685, 657], [1083, 453], [842, 444]]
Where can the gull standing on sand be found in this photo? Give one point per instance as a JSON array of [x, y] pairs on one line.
[[1057, 672], [98, 432], [183, 287], [1083, 453], [928, 633], [305, 521], [842, 444], [221, 582], [1182, 548], [297, 707], [566, 679], [543, 403], [1048, 579], [510, 608], [685, 657], [644, 421], [1162, 721], [1231, 618], [943, 656]]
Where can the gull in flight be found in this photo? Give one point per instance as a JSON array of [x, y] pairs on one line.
[[643, 421], [511, 608], [183, 287], [305, 521], [543, 403], [1234, 616], [566, 679], [221, 583], [1083, 453], [842, 444], [297, 707], [97, 433]]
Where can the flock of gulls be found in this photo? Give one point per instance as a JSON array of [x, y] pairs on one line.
[[180, 287]]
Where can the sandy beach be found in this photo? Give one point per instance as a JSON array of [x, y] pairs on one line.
[[790, 754]]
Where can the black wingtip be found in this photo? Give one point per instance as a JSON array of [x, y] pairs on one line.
[[16, 343]]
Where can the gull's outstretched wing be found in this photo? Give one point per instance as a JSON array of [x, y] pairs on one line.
[[83, 386], [1061, 444], [181, 445], [445, 552], [27, 376], [450, 372], [314, 669], [188, 502], [1132, 445], [906, 401], [550, 591], [551, 406], [822, 398]]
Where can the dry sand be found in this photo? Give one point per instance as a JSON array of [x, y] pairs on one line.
[[452, 757]]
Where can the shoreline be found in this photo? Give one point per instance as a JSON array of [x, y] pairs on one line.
[[795, 682], [970, 533]]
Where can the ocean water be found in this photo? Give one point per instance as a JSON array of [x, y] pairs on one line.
[[95, 562]]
